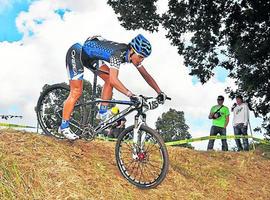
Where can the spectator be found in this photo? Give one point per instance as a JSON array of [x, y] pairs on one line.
[[240, 122], [119, 126], [220, 117]]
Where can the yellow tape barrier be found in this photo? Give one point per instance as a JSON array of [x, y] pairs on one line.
[[16, 125], [173, 143], [186, 141], [263, 141]]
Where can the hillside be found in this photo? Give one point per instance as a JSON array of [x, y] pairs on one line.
[[39, 167]]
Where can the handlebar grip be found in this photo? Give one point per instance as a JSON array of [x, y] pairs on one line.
[[169, 98]]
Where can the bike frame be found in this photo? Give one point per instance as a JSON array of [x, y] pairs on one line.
[[132, 107], [139, 141], [112, 119]]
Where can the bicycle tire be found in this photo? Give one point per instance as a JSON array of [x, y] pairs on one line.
[[123, 168], [49, 118]]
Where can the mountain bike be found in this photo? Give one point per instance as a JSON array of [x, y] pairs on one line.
[[141, 154]]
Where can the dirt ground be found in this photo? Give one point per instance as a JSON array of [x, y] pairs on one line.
[[40, 167]]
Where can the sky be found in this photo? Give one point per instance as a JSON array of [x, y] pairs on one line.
[[34, 38]]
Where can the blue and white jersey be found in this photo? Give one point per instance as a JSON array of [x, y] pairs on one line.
[[97, 48]]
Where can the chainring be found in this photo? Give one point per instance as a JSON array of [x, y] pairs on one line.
[[88, 133]]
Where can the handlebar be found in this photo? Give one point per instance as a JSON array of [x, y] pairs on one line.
[[147, 102], [168, 98]]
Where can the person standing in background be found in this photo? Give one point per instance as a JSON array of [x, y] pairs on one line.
[[220, 117], [240, 122]]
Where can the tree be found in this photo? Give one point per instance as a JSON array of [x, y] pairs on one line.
[[171, 125], [232, 34]]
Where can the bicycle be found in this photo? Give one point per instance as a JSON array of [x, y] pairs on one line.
[[141, 154]]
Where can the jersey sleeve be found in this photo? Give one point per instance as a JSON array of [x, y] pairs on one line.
[[115, 62]]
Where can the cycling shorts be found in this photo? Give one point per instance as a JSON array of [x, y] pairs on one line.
[[74, 63]]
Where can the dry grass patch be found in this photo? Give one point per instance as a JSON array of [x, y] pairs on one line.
[[39, 167]]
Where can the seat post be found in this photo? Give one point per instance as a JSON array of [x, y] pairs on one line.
[[94, 92]]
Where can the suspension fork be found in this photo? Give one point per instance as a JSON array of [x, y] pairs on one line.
[[138, 139]]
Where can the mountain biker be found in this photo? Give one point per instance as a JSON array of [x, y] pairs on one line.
[[93, 54]]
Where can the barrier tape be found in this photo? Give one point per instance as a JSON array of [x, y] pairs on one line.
[[16, 125], [185, 141], [173, 143]]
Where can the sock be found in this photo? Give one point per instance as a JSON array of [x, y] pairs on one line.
[[103, 109], [64, 124]]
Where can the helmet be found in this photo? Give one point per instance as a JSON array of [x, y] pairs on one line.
[[115, 110], [141, 45]]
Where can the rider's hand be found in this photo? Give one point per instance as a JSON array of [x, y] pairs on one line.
[[135, 99], [161, 97], [129, 94]]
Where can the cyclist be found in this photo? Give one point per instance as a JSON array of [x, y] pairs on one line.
[[93, 54]]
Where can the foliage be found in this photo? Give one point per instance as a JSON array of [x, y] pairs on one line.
[[232, 34], [171, 125]]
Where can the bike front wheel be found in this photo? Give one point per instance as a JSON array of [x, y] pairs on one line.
[[144, 162]]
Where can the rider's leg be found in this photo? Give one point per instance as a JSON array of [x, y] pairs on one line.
[[76, 87], [75, 72], [107, 88], [106, 93]]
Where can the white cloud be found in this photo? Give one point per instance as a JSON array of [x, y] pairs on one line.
[[28, 64]]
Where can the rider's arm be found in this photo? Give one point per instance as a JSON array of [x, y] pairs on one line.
[[116, 83], [148, 78]]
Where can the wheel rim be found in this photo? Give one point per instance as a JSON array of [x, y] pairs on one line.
[[145, 166], [50, 113]]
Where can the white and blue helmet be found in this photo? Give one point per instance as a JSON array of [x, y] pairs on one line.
[[141, 45]]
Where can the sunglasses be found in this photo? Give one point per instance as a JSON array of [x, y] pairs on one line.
[[220, 99]]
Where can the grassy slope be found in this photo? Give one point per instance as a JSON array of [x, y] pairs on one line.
[[39, 167]]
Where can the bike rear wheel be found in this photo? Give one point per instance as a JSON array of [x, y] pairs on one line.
[[50, 107], [146, 163]]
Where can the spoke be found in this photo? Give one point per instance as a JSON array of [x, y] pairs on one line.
[[127, 150], [155, 161], [130, 163], [155, 167], [150, 175], [144, 178], [153, 150], [137, 169], [151, 146], [128, 145], [150, 171], [140, 168], [127, 161], [133, 169]]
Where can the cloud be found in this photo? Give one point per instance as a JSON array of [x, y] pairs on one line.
[[39, 58]]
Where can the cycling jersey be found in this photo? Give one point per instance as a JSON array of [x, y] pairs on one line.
[[92, 55], [98, 48]]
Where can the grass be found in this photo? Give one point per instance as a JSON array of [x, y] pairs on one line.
[[39, 167]]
